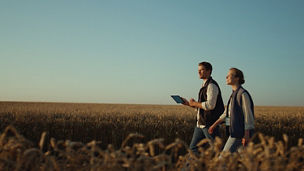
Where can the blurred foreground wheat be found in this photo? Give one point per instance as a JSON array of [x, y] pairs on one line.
[[17, 153]]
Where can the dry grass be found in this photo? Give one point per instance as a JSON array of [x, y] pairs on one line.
[[137, 137], [104, 122]]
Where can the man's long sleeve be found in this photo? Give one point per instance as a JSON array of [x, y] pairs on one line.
[[212, 92]]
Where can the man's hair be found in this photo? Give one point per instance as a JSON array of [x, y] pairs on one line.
[[207, 65], [239, 74]]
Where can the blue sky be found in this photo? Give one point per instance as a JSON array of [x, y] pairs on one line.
[[112, 51]]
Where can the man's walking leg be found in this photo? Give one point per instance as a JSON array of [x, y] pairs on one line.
[[198, 135]]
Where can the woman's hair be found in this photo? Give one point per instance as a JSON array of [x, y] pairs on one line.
[[239, 74]]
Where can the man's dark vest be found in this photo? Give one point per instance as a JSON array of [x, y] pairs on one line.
[[207, 118], [237, 124]]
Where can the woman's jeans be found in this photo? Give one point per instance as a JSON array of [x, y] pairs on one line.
[[201, 133], [232, 144]]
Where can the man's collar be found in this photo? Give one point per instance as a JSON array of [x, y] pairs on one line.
[[207, 80]]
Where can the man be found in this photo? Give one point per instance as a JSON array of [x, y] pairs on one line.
[[209, 106], [239, 115]]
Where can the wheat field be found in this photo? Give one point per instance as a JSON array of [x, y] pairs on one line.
[[71, 136]]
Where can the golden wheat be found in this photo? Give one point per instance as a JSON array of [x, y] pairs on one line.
[[138, 137]]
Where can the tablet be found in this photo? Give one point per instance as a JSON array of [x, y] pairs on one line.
[[177, 99]]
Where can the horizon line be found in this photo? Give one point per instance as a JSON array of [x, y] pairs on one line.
[[70, 102]]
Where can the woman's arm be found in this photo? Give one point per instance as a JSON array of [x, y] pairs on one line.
[[211, 128], [248, 117], [220, 119]]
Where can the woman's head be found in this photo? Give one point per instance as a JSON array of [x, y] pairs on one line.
[[235, 77]]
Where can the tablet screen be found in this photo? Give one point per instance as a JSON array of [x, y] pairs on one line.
[[177, 99]]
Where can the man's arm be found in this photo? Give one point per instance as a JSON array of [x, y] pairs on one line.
[[209, 104]]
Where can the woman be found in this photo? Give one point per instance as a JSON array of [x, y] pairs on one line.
[[239, 114]]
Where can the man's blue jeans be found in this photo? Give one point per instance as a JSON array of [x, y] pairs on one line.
[[201, 133]]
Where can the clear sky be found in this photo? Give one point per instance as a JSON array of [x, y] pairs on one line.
[[138, 51]]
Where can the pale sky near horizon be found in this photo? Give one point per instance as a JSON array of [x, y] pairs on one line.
[[137, 51]]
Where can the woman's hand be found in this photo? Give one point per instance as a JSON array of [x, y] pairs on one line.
[[246, 138], [210, 130]]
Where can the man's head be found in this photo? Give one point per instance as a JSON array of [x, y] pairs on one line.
[[235, 77], [204, 70]]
